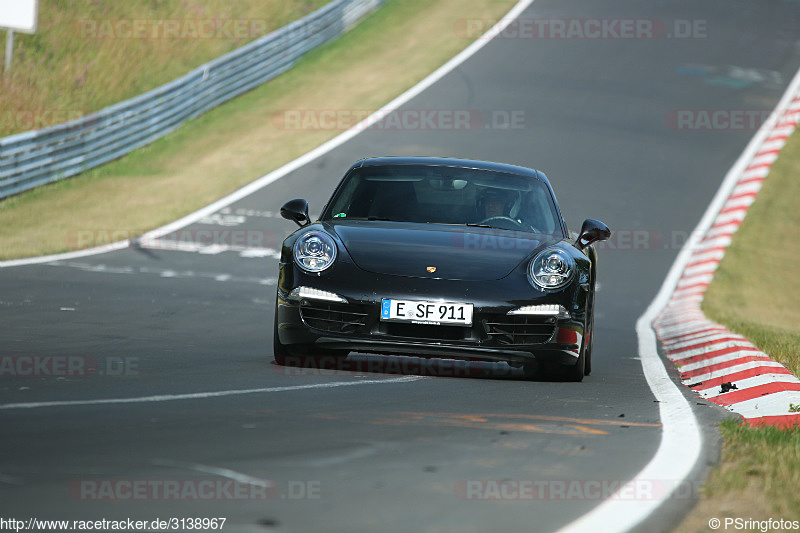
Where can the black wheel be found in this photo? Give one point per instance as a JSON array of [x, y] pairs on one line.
[[578, 370], [587, 343], [530, 370], [303, 355], [583, 366], [279, 351], [543, 370], [588, 335]]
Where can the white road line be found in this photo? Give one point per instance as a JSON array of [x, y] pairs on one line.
[[742, 201], [743, 355], [165, 273], [742, 384], [720, 373], [769, 405], [689, 340], [10, 480], [700, 278], [206, 249], [750, 187], [121, 245], [215, 470], [686, 330], [202, 395], [678, 356]]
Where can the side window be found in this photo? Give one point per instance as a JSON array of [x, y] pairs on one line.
[[347, 201], [538, 212]]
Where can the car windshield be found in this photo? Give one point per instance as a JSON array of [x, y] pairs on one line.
[[445, 195]]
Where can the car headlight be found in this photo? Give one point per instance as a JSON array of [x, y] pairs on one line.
[[314, 251], [551, 269]]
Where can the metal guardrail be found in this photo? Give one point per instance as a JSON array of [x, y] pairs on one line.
[[34, 158]]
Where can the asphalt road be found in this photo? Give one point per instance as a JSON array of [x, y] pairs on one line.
[[391, 449]]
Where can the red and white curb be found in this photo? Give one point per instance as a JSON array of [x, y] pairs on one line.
[[720, 366]]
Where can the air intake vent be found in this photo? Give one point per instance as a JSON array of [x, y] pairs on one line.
[[518, 330], [333, 317]]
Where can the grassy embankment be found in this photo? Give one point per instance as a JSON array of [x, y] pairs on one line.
[[240, 141], [83, 57]]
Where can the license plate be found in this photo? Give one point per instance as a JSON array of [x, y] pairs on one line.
[[433, 313]]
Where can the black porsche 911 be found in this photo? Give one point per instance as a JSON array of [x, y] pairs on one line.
[[436, 257]]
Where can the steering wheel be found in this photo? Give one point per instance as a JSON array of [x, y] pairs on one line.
[[516, 223]]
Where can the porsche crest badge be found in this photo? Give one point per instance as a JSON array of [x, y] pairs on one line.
[[431, 269]]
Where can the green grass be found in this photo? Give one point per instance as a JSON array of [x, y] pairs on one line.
[[756, 290], [765, 461], [79, 60], [240, 141]]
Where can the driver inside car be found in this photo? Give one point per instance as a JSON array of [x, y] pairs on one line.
[[495, 203]]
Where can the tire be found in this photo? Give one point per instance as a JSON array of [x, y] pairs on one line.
[[587, 341], [589, 337], [530, 371], [582, 367], [543, 371], [302, 354], [279, 350], [576, 372]]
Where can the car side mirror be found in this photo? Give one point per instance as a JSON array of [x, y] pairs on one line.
[[592, 231], [296, 210]]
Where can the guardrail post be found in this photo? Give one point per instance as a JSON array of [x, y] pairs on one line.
[[9, 50]]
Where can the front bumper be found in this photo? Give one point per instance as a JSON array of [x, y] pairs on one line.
[[355, 324]]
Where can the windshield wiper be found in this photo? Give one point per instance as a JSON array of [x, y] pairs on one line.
[[372, 218]]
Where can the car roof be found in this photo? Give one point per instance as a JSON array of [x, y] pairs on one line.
[[451, 162]]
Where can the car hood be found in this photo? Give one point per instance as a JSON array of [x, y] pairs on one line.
[[455, 252]]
